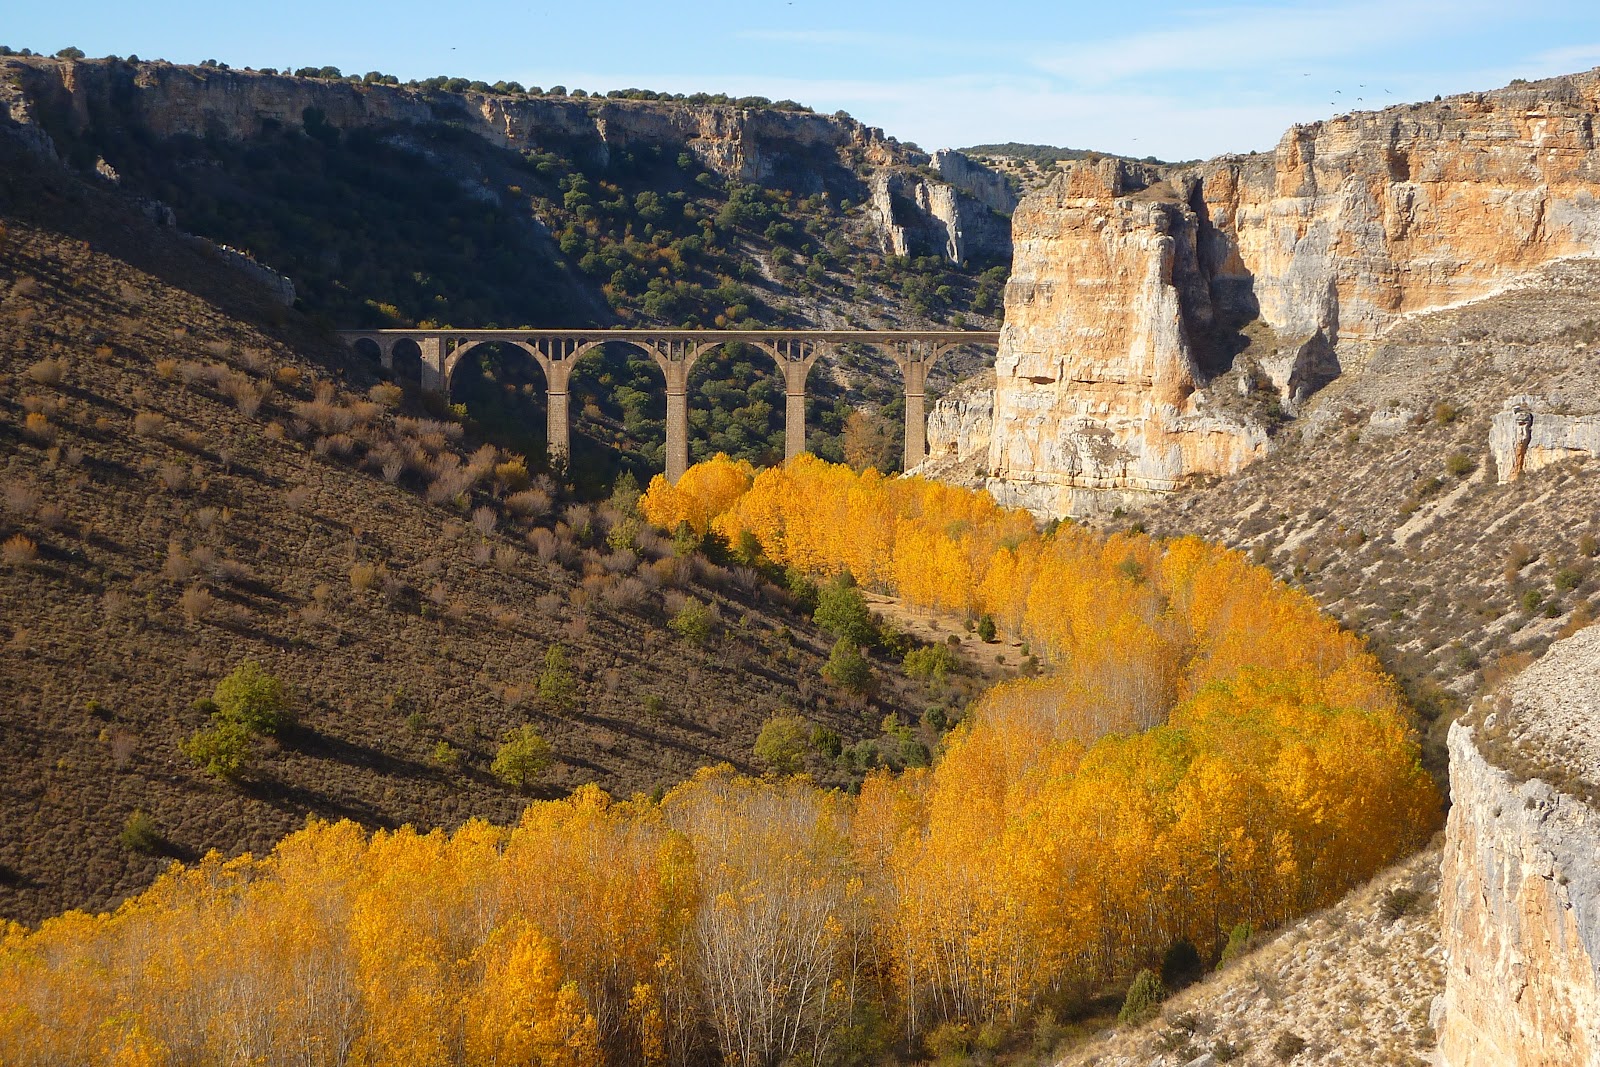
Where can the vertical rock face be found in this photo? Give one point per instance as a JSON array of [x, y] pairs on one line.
[[1520, 888], [1097, 373], [920, 216], [1528, 435], [166, 100], [990, 188], [1130, 284]]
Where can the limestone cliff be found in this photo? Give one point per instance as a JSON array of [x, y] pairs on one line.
[[1520, 889], [1098, 372], [1133, 288], [919, 215], [807, 152]]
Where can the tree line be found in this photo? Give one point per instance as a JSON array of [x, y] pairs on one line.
[[1205, 749]]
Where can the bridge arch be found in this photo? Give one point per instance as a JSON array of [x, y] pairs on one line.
[[675, 352]]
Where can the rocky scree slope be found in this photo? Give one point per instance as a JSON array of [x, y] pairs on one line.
[[191, 476], [1353, 984], [1388, 504]]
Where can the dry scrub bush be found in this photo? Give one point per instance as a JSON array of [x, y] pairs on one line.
[[484, 520], [529, 503], [174, 476], [386, 394], [51, 372], [18, 551], [38, 428], [51, 516], [18, 498], [364, 576], [197, 603], [149, 423]]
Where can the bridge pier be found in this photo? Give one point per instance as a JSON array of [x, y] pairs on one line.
[[675, 362], [794, 358], [916, 439], [433, 372], [558, 424]]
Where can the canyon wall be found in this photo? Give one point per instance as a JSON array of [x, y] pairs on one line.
[[807, 152], [1134, 289], [1520, 889]]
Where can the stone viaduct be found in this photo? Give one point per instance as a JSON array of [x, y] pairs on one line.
[[675, 352]]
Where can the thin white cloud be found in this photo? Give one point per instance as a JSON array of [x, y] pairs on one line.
[[1569, 58], [1234, 39]]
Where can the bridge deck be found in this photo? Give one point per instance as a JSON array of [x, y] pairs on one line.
[[977, 337]]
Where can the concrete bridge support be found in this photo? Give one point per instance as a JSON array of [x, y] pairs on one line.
[[676, 359], [558, 419], [916, 442], [434, 377]]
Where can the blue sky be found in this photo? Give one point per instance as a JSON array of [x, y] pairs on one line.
[[1176, 80]]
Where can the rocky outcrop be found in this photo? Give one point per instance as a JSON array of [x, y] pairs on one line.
[[919, 216], [1132, 285], [1097, 376], [959, 430], [1529, 435], [742, 144], [958, 217], [989, 187], [1520, 888]]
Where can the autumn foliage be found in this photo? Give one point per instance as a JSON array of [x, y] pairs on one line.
[[1205, 749]]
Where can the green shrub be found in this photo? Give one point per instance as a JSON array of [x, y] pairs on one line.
[[842, 612], [826, 741], [1181, 966], [558, 689], [1531, 600], [931, 664], [949, 1042], [1567, 579], [803, 589], [692, 622], [936, 718], [1238, 944], [252, 697], [782, 744], [847, 668], [139, 834], [1143, 999], [986, 629], [1460, 464], [446, 755], [523, 758], [223, 749]]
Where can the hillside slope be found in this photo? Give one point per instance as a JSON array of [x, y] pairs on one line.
[[1385, 501], [1352, 984], [390, 205], [191, 476]]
